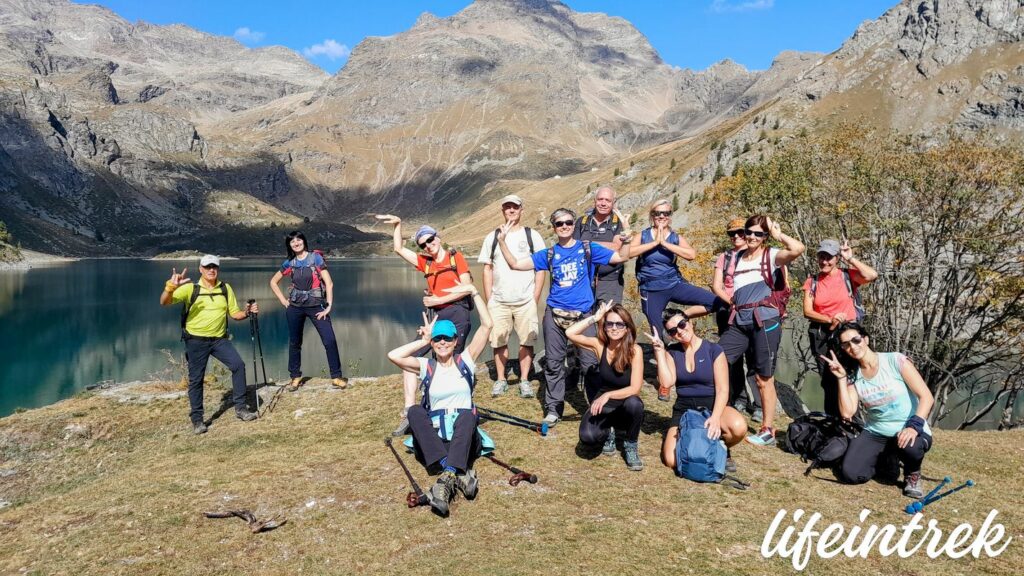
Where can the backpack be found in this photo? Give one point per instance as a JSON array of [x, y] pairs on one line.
[[467, 302], [779, 285], [467, 374], [192, 300], [529, 241], [820, 439], [586, 218], [590, 265], [311, 296], [854, 293], [698, 457]]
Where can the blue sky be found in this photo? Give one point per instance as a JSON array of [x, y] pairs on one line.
[[687, 33]]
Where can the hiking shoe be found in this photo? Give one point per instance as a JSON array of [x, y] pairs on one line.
[[499, 388], [912, 486], [525, 390], [609, 445], [245, 415], [468, 484], [766, 437], [442, 493], [552, 419], [663, 397], [340, 383], [758, 415], [294, 384], [632, 453], [199, 428]]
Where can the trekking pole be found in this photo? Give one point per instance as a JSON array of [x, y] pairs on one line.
[[255, 376], [541, 428], [518, 475], [416, 497]]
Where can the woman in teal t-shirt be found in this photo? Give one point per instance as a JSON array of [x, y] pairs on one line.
[[895, 403]]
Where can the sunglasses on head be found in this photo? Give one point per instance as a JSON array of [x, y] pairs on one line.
[[845, 344], [662, 213], [562, 223], [615, 325], [755, 233], [442, 338], [425, 242], [734, 233], [672, 331]]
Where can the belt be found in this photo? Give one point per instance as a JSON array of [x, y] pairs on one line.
[[203, 338]]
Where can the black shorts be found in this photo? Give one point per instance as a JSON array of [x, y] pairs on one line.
[[764, 340], [684, 403]]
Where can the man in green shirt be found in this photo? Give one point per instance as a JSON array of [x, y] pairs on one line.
[[205, 332]]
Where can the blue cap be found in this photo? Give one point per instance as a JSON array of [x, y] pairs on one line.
[[443, 328], [425, 230]]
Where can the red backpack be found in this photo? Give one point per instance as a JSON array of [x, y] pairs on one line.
[[779, 285]]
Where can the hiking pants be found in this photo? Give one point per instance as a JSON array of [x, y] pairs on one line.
[[867, 449], [296, 322], [627, 414], [459, 315], [609, 289], [197, 352], [556, 344], [763, 340], [818, 335], [461, 451], [654, 302], [741, 378]]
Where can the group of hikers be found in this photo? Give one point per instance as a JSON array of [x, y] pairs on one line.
[[584, 309]]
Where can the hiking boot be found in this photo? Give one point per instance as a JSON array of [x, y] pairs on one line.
[[340, 383], [199, 427], [912, 486], [499, 388], [552, 419], [758, 415], [442, 493], [632, 453], [525, 390], [294, 384], [766, 437], [468, 484], [609, 445], [245, 415]]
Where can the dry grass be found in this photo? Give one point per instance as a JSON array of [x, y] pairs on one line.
[[125, 495]]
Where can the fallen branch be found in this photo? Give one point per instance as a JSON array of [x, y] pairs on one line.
[[255, 526]]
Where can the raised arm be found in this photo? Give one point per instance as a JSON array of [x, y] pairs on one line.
[[478, 344], [868, 273], [792, 248], [666, 367], [622, 255], [575, 332], [177, 279], [513, 262], [396, 238], [848, 397], [404, 358]]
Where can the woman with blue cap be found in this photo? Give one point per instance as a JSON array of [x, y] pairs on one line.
[[444, 424]]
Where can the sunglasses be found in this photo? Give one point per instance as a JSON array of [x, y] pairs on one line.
[[425, 242], [442, 338], [211, 267], [755, 233], [615, 325], [562, 223], [847, 344], [672, 331], [662, 213], [734, 233]]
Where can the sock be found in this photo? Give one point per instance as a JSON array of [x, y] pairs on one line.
[[445, 466]]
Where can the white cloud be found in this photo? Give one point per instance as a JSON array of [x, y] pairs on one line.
[[329, 48], [247, 36], [744, 6]]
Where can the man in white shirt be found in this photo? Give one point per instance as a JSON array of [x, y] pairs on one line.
[[512, 295]]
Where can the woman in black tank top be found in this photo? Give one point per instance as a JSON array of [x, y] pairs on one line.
[[614, 397]]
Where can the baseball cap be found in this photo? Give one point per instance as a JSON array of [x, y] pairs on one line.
[[829, 246], [736, 224], [209, 260], [443, 328], [513, 199], [425, 231]]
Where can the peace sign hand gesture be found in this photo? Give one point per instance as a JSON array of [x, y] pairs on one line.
[[603, 309], [845, 252], [425, 330], [179, 279], [504, 229], [834, 366], [656, 342]]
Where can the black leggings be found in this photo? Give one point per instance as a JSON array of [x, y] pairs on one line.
[[429, 448], [867, 449], [625, 415]]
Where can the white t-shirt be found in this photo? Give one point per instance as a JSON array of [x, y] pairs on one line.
[[749, 286], [449, 389], [510, 286]]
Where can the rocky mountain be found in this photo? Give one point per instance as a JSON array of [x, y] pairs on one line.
[[119, 137]]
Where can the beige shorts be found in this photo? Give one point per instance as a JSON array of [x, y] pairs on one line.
[[522, 317]]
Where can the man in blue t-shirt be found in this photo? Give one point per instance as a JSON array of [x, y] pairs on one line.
[[572, 264]]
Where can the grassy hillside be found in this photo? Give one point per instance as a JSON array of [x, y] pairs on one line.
[[115, 483]]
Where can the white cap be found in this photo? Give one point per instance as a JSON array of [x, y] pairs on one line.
[[208, 260], [513, 199]]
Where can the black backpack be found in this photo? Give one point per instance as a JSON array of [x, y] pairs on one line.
[[820, 439]]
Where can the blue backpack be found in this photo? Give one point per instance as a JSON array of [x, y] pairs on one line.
[[698, 457]]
